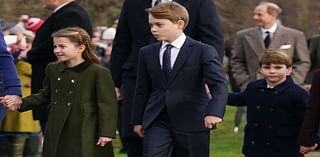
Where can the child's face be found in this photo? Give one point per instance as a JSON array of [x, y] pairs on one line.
[[275, 73], [67, 51], [164, 29]]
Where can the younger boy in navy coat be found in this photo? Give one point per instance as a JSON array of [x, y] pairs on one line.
[[275, 109], [171, 106]]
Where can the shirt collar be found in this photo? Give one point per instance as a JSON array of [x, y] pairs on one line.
[[262, 84], [272, 29], [176, 43]]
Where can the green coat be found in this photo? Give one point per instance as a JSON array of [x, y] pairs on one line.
[[82, 106]]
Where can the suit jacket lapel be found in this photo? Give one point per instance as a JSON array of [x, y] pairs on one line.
[[278, 37], [254, 39], [184, 52], [156, 60]]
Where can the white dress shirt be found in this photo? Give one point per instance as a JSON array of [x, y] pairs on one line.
[[177, 44], [271, 31]]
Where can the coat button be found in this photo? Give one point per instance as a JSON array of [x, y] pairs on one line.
[[59, 78], [267, 143], [276, 92], [269, 126], [271, 109], [55, 102], [253, 142], [69, 103], [70, 92], [261, 90], [56, 91], [258, 107], [255, 124], [73, 81]]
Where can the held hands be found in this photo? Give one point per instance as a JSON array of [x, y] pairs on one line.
[[12, 102], [102, 141], [305, 150], [210, 121]]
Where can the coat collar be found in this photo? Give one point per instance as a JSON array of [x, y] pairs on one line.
[[79, 68], [262, 84]]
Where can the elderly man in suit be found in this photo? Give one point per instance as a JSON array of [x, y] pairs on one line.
[[66, 13], [269, 33], [133, 32]]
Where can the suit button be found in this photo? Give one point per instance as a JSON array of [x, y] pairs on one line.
[[55, 102], [70, 92], [267, 143], [56, 91], [69, 103], [261, 90], [59, 78], [269, 126], [276, 92], [271, 109], [73, 81], [258, 107], [255, 124], [253, 142]]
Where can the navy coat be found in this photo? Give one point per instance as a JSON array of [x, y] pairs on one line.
[[9, 82], [274, 117]]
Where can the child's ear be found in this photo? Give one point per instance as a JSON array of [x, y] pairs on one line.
[[289, 70], [181, 24], [81, 48]]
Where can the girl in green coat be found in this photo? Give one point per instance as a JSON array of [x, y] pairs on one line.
[[81, 100]]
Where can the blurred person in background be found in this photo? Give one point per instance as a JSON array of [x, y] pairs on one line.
[[9, 81], [268, 34], [19, 129]]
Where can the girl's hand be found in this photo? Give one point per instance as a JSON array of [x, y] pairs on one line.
[[102, 141]]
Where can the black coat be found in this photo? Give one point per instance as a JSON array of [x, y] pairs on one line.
[[42, 47]]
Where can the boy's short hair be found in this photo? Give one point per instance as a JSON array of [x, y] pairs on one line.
[[275, 56], [172, 11]]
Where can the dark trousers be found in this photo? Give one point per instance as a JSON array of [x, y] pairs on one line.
[[160, 139]]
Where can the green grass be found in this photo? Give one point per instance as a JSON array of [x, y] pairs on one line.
[[224, 143]]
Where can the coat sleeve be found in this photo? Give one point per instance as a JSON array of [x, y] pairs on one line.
[[311, 120], [209, 27], [142, 91], [216, 81], [9, 80], [107, 104], [238, 63], [121, 46], [301, 59], [39, 99]]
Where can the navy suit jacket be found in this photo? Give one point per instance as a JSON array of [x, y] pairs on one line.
[[41, 54], [133, 32], [9, 82], [184, 94]]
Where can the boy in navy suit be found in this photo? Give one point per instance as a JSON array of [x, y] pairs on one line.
[[275, 109], [171, 105]]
